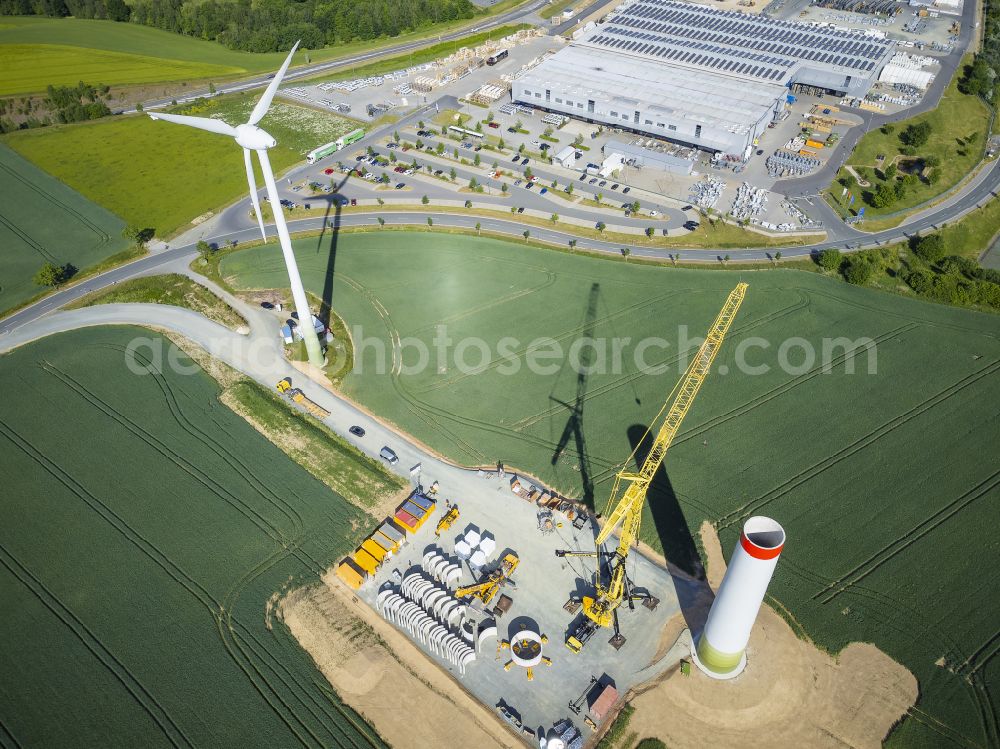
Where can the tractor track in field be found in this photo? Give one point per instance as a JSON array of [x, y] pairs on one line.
[[783, 388], [946, 647], [238, 653], [740, 513], [667, 362], [116, 521], [155, 443], [240, 466], [51, 200], [551, 278], [748, 508], [967, 667], [295, 547], [416, 407], [7, 738], [890, 550], [907, 315], [157, 712], [562, 337], [254, 672], [17, 232]]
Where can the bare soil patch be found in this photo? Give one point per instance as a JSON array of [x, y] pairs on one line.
[[378, 671], [791, 694]]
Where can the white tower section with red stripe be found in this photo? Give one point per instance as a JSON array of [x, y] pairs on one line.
[[721, 649]]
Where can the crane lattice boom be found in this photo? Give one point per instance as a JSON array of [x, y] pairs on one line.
[[627, 510]]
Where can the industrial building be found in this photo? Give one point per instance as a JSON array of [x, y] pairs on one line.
[[696, 75]]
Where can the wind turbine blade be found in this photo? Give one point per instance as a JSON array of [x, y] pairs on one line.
[[253, 192], [265, 100], [202, 123]]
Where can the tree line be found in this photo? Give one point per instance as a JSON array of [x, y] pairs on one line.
[[261, 25]]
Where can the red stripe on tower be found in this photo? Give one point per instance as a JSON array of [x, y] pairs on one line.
[[758, 552]]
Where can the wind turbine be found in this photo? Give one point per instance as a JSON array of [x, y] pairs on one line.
[[252, 138]]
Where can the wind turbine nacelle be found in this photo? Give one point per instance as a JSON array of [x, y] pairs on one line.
[[252, 137]]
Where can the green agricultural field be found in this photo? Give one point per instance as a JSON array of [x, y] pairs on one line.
[[42, 220], [152, 174], [887, 483], [145, 529], [30, 68]]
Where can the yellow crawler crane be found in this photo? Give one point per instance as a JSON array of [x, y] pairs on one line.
[[600, 610]]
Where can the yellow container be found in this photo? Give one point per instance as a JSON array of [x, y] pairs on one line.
[[349, 572], [375, 550], [814, 144], [366, 561]]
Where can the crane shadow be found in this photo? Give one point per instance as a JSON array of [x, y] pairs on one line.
[[693, 594], [664, 507], [574, 428]]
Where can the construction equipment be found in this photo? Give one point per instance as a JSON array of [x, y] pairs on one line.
[[625, 508], [445, 523], [485, 590], [285, 386], [575, 706]]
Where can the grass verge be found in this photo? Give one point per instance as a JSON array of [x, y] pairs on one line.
[[958, 128], [171, 288], [311, 444]]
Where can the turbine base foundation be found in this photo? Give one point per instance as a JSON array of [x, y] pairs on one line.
[[715, 674]]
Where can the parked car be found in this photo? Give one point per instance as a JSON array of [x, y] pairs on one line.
[[516, 158], [494, 125], [544, 147], [400, 185], [478, 148], [602, 183], [627, 189], [593, 181], [529, 185], [760, 151], [517, 182], [357, 431], [614, 186], [654, 213], [388, 455], [354, 201], [521, 209], [524, 161], [543, 191], [687, 208], [328, 171]]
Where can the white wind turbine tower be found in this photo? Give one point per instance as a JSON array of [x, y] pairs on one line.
[[252, 138]]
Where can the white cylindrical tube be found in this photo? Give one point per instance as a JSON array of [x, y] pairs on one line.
[[721, 649]]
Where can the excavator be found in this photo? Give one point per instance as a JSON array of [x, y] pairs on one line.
[[485, 590], [628, 497]]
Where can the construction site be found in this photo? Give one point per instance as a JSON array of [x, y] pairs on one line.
[[542, 610]]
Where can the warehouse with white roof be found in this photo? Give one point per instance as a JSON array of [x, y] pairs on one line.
[[696, 75]]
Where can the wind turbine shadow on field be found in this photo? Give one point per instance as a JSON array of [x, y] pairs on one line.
[[574, 423], [336, 200]]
